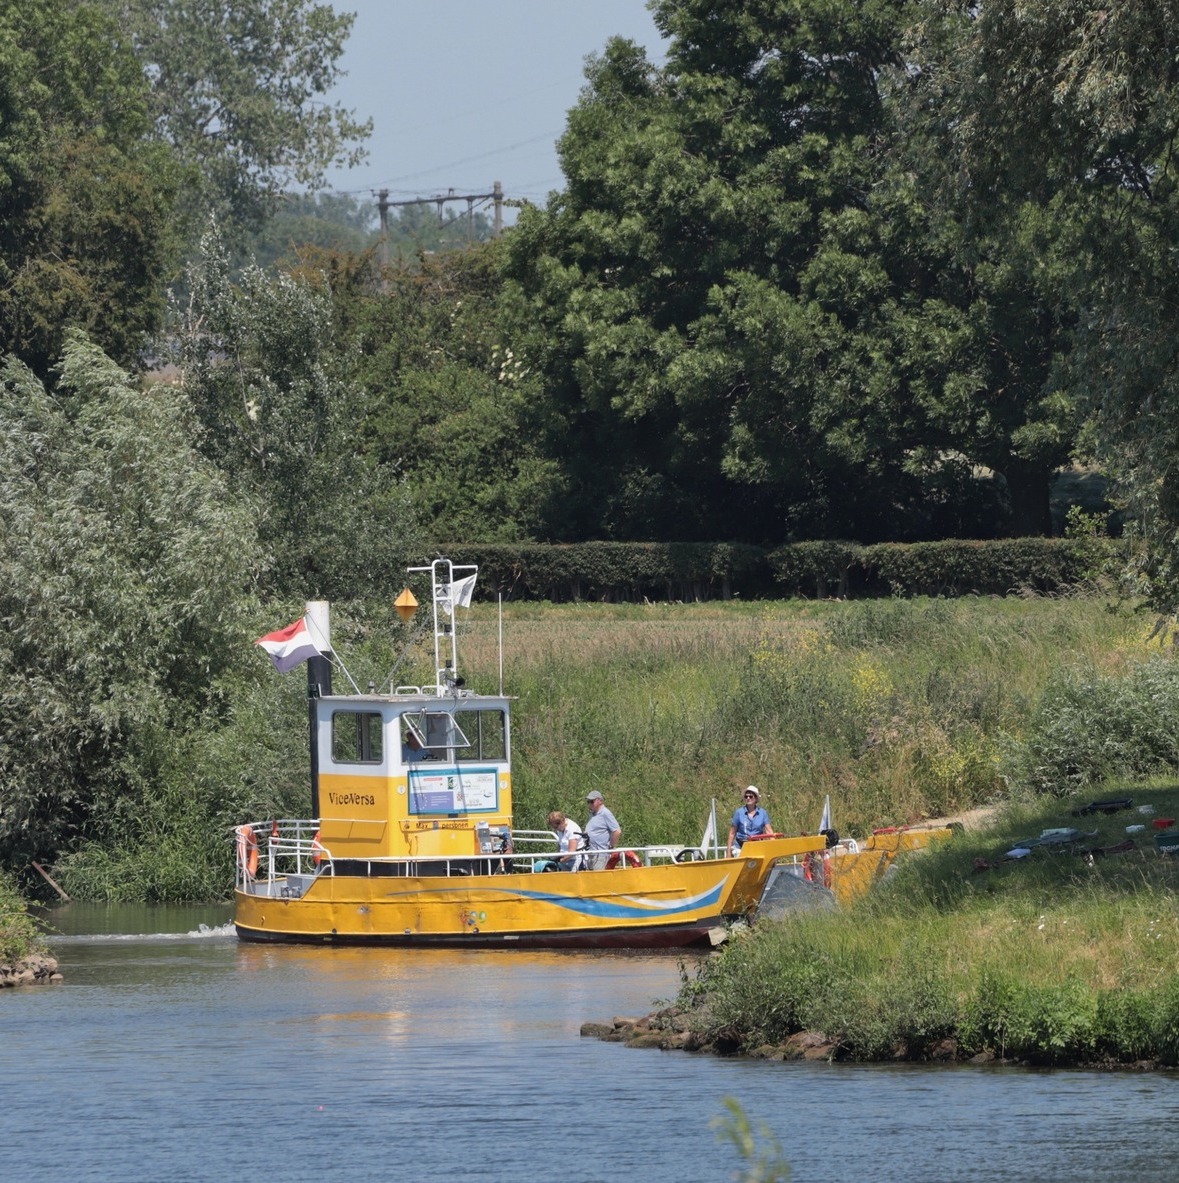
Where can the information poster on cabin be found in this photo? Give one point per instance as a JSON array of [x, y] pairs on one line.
[[473, 792]]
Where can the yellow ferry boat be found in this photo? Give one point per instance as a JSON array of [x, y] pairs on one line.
[[412, 839]]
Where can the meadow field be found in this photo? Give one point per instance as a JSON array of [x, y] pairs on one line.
[[900, 710]]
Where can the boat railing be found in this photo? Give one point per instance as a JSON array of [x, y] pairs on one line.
[[278, 848], [282, 856], [539, 850]]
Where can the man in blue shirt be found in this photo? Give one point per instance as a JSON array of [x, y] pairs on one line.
[[602, 831], [749, 820]]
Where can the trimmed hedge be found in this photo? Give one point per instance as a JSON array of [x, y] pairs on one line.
[[955, 567], [617, 571], [697, 571]]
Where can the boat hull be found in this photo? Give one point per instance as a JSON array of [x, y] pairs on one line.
[[663, 937], [666, 906]]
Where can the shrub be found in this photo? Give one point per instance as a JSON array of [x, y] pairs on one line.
[[19, 935], [1090, 727]]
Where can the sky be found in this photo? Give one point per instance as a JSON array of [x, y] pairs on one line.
[[463, 93]]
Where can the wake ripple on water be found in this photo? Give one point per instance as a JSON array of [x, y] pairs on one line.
[[201, 932]]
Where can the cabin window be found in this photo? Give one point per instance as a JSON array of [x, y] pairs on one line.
[[487, 732], [356, 737], [436, 734]]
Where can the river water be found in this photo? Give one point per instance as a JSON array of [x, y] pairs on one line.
[[173, 1052]]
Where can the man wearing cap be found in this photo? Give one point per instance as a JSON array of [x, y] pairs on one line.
[[602, 831], [750, 819]]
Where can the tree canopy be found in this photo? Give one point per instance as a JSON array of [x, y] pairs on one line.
[[238, 91], [86, 191], [124, 578], [450, 403], [1057, 124], [274, 386], [749, 319]]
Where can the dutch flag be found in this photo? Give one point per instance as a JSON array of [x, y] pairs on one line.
[[291, 646]]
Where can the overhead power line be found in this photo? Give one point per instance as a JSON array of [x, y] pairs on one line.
[[384, 205]]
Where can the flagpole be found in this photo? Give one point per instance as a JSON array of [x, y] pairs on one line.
[[319, 684]]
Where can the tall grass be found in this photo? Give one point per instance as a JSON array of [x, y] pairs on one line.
[[899, 709], [19, 934]]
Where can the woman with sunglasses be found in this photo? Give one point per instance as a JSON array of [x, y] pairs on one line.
[[748, 821]]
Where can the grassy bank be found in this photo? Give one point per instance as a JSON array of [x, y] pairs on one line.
[[1061, 957]]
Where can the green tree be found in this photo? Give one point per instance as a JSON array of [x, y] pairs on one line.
[[749, 316], [983, 179], [272, 381], [86, 193], [1057, 123], [124, 576], [450, 403], [236, 89], [721, 335], [344, 223], [423, 227], [326, 221]]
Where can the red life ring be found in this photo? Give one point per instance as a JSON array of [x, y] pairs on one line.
[[247, 850], [632, 859], [316, 850]]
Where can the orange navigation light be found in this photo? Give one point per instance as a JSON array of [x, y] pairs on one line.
[[406, 604]]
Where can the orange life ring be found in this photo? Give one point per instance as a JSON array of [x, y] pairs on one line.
[[810, 873], [247, 850], [316, 850], [632, 859]]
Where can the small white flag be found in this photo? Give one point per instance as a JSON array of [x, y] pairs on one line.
[[709, 839], [825, 821], [458, 594]]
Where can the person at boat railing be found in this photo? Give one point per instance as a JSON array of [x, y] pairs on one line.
[[602, 831], [749, 820], [569, 840]]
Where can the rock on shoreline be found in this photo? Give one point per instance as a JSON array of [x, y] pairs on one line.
[[669, 1029], [38, 969]]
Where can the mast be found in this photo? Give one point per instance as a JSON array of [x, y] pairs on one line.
[[319, 684]]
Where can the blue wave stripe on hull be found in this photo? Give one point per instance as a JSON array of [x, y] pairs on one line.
[[602, 909], [606, 910]]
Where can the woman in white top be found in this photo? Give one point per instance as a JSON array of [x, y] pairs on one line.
[[568, 840]]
